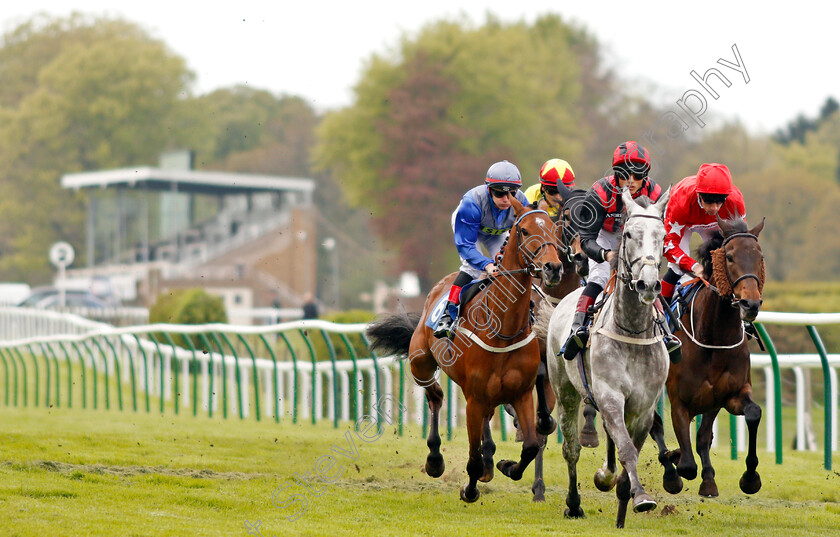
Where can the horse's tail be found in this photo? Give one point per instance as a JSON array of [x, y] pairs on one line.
[[544, 312], [390, 334]]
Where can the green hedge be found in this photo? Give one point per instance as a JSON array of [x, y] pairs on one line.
[[187, 306]]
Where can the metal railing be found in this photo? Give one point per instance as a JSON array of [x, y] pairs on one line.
[[302, 370]]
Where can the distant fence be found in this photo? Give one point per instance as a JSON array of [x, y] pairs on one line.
[[302, 370]]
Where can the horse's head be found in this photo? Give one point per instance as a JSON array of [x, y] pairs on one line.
[[738, 266], [568, 233], [532, 238], [641, 248]]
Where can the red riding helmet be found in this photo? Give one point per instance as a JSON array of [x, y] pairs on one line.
[[503, 176], [714, 178], [555, 169], [631, 158]]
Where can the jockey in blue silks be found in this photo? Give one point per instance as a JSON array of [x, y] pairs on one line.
[[484, 217]]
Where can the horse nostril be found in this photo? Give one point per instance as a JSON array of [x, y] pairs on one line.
[[657, 287], [640, 286]]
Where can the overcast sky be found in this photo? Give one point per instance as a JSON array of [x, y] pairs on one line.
[[317, 49]]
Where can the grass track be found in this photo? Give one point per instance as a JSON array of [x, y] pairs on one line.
[[108, 473]]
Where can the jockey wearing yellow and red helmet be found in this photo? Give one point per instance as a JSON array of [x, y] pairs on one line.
[[694, 206], [483, 217], [552, 171]]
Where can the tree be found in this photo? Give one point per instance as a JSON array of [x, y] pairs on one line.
[[86, 94], [428, 122]]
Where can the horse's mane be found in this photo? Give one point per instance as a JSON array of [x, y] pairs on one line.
[[643, 201], [704, 251]]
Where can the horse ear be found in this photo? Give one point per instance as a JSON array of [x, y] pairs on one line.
[[662, 203], [724, 226], [565, 191], [757, 229], [627, 198], [518, 208]]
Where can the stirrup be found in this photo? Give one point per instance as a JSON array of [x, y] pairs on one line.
[[576, 343], [444, 328]]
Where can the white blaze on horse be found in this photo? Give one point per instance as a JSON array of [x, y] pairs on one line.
[[625, 367]]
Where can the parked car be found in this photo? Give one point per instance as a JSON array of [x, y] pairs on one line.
[[50, 298]]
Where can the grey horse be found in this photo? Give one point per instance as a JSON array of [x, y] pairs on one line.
[[626, 365]]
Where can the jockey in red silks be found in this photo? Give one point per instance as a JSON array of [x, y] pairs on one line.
[[484, 217], [600, 220], [695, 203]]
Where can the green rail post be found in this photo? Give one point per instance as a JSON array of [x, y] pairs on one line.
[[236, 375], [6, 377], [131, 369], [375, 372], [194, 366], [223, 374], [733, 437], [117, 373], [355, 383], [84, 373], [777, 387], [503, 425], [145, 371], [47, 366], [162, 372], [255, 375], [69, 375], [305, 336], [107, 375], [25, 380], [15, 370], [210, 392], [450, 394], [275, 378], [402, 394], [95, 380], [815, 336], [336, 402], [175, 368], [57, 380], [37, 373], [294, 377]]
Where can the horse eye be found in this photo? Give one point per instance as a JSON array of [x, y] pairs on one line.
[[525, 233], [730, 258]]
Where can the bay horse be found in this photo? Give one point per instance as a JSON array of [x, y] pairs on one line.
[[715, 370], [494, 356], [624, 369]]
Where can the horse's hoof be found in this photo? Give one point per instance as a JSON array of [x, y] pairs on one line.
[[589, 438], [642, 503], [466, 497], [604, 481], [488, 473], [539, 491], [672, 483], [435, 465], [546, 425], [750, 484], [507, 467], [708, 489], [574, 513]]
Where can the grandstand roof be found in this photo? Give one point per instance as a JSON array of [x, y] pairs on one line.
[[194, 182]]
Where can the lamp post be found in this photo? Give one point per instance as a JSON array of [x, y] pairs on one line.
[[331, 246]]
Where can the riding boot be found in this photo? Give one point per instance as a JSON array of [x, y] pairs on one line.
[[672, 342], [446, 324], [580, 328]]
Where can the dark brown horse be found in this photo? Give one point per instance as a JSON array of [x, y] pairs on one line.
[[494, 356], [715, 370]]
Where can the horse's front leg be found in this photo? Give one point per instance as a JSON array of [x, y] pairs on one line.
[[750, 482], [524, 408], [705, 433], [545, 423], [488, 449], [568, 407], [476, 419], [671, 480], [612, 412], [681, 420], [588, 433], [434, 461]]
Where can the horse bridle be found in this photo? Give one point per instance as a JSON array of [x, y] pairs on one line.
[[529, 267], [628, 265], [732, 284]]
